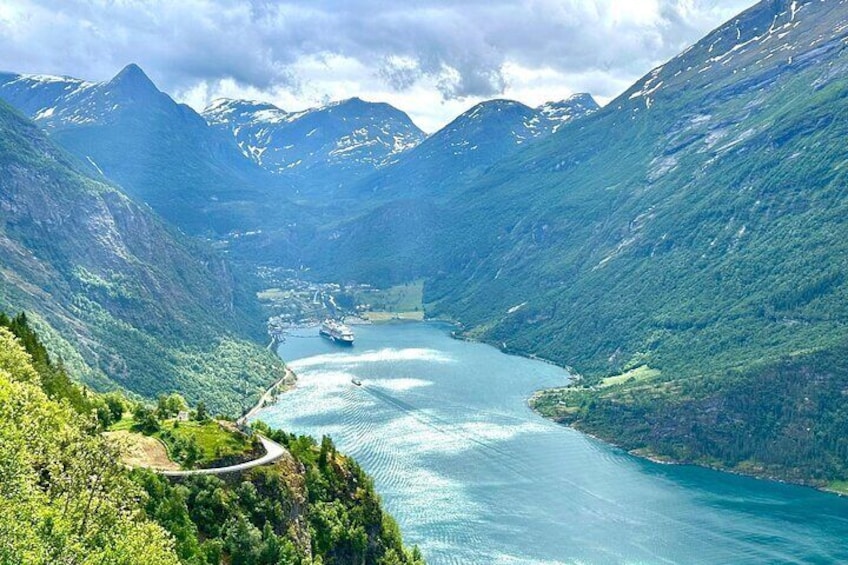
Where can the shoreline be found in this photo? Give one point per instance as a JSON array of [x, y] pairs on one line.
[[381, 317], [283, 384], [290, 379], [647, 455], [574, 376]]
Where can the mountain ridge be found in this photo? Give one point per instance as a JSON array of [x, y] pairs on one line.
[[463, 149], [161, 152], [328, 145]]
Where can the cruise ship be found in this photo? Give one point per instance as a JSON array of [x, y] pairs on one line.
[[336, 331]]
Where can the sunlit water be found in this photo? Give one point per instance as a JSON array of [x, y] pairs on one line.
[[473, 476]]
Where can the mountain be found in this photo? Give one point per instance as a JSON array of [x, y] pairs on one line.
[[411, 208], [362, 182], [37, 95], [324, 146], [124, 299], [61, 102], [160, 152], [686, 239], [572, 108], [480, 137]]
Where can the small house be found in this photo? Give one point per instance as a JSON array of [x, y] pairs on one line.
[[182, 416]]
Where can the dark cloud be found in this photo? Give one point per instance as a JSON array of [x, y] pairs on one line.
[[463, 46]]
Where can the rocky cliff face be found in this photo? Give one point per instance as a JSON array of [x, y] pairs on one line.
[[127, 299]]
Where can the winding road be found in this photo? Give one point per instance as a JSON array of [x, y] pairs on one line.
[[273, 451]]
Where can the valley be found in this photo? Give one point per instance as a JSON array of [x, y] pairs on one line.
[[676, 252]]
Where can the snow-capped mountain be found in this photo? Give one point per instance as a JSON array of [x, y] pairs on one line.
[[507, 122], [572, 108], [494, 122], [483, 135], [343, 140], [56, 103], [161, 152], [38, 95], [751, 52]]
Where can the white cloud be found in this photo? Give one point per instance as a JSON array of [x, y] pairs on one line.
[[430, 59]]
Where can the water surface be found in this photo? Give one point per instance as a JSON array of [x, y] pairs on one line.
[[474, 476]]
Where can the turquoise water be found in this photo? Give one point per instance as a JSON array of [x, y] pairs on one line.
[[473, 476]]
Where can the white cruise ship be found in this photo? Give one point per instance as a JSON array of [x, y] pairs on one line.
[[336, 331]]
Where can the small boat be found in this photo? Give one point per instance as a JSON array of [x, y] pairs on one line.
[[356, 381]]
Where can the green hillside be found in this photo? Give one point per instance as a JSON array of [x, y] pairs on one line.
[[700, 234], [694, 226], [68, 499], [122, 298], [65, 496]]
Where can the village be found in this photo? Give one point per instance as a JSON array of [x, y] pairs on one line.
[[291, 301]]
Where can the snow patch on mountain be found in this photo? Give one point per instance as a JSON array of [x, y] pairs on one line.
[[56, 102], [511, 120], [350, 135]]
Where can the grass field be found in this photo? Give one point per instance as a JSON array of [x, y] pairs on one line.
[[388, 316], [638, 374], [125, 424], [214, 441], [162, 448], [272, 295], [839, 487], [401, 302], [141, 451]]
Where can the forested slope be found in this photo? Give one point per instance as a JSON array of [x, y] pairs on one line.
[[124, 299], [66, 498], [692, 229]]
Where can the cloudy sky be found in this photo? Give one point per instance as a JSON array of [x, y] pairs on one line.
[[430, 58]]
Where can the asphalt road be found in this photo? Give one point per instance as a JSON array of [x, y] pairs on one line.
[[273, 451]]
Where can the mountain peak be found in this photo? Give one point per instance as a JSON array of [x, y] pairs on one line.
[[131, 72], [582, 98], [234, 112], [495, 105], [133, 80], [575, 106], [218, 103], [353, 104], [502, 103]]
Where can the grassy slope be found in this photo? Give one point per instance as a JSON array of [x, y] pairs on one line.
[[400, 301], [214, 441]]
